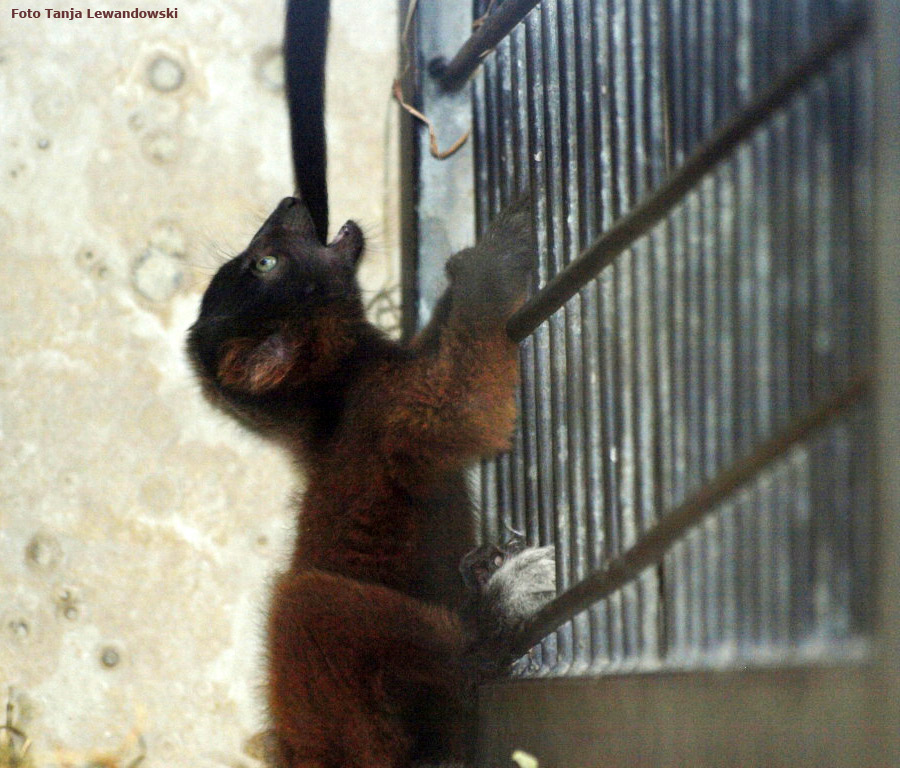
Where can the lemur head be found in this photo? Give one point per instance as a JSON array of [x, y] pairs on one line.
[[281, 315]]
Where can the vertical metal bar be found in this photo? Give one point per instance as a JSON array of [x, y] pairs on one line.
[[527, 455], [489, 507], [554, 193], [712, 400], [625, 179], [442, 221], [745, 571], [697, 594], [679, 362], [519, 93], [711, 541], [588, 151], [800, 546], [822, 490], [520, 138], [778, 287], [677, 71], [806, 18], [507, 185], [695, 343], [507, 137], [761, 42], [581, 320], [745, 294], [691, 45], [485, 183], [842, 508], [612, 611], [861, 137], [862, 508], [839, 112], [542, 431], [861, 203], [571, 140], [710, 311], [481, 156], [676, 608], [665, 497], [721, 35], [729, 577], [744, 65], [530, 449], [709, 314], [839, 109], [799, 171], [762, 278], [781, 500], [543, 414], [655, 96], [598, 205], [764, 565], [642, 372], [756, 604], [705, 107], [729, 329], [495, 118], [821, 242], [654, 369]]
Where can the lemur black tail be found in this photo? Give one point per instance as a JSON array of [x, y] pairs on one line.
[[306, 30]]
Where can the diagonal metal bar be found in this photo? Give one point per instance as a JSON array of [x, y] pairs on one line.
[[672, 525], [658, 204], [453, 75]]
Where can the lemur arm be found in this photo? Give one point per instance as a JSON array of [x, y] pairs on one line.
[[455, 399]]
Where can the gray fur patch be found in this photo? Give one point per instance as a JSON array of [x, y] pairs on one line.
[[522, 585]]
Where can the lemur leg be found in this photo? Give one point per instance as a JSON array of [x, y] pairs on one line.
[[351, 666], [455, 401]]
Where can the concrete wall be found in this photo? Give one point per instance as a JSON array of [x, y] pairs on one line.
[[138, 527]]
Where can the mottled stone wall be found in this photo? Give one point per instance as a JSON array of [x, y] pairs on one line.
[[138, 528]]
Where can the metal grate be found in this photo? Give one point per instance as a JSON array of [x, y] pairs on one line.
[[694, 433]]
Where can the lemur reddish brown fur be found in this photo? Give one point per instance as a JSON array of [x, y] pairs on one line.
[[365, 647]]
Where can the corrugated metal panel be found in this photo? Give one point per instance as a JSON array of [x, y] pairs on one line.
[[735, 315]]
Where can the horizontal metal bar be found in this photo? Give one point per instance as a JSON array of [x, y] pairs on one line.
[[672, 525], [453, 75], [653, 208]]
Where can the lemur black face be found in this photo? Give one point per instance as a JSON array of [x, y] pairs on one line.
[[284, 270], [283, 281]]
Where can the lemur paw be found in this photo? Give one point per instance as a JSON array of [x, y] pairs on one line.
[[508, 583], [492, 277], [522, 585]]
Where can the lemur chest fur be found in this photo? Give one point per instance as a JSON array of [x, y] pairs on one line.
[[358, 519]]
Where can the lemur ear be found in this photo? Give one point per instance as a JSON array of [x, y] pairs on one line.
[[348, 243], [256, 366]]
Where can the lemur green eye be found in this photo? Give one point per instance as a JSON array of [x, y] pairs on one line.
[[265, 263]]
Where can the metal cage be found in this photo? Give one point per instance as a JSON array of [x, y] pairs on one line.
[[702, 382]]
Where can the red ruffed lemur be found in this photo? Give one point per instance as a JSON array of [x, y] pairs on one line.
[[374, 640]]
